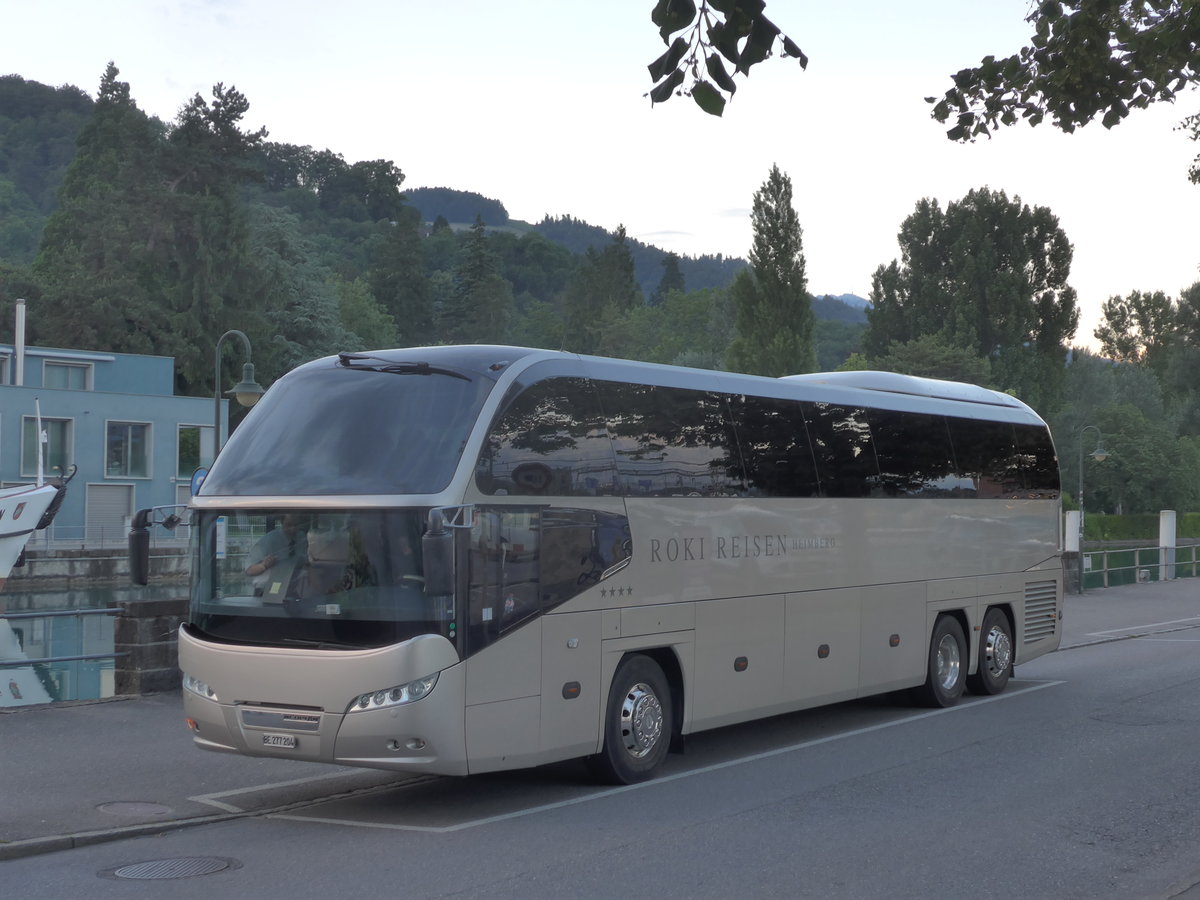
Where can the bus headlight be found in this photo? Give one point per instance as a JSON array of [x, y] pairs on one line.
[[200, 688], [394, 696]]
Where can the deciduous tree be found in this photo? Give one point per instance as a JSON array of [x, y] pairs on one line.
[[1087, 59], [702, 40], [988, 274]]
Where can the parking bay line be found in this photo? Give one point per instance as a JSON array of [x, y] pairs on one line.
[[610, 792]]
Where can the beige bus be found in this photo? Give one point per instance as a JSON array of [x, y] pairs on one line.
[[464, 559]]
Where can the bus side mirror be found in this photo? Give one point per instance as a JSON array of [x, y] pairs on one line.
[[437, 556], [139, 547]]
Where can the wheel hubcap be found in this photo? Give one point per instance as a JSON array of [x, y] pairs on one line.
[[948, 662], [998, 651], [641, 721]]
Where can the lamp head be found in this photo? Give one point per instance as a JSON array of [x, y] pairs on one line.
[[249, 390]]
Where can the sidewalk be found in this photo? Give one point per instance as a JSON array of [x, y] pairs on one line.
[[80, 773]]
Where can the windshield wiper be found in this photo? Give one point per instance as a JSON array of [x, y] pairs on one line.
[[349, 360], [323, 645]]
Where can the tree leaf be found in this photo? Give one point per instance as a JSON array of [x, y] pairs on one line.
[[663, 92], [716, 71], [725, 40], [758, 47], [708, 98], [669, 60], [790, 49], [672, 15]]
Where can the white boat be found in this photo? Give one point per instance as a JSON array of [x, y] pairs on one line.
[[21, 511]]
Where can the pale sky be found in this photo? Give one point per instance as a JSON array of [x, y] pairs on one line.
[[539, 104]]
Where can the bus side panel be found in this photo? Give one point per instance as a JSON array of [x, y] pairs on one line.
[[508, 669], [503, 709], [503, 735], [822, 636], [895, 640], [572, 692], [739, 659]]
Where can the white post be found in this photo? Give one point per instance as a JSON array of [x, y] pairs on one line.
[[1166, 545], [19, 345], [1071, 531]]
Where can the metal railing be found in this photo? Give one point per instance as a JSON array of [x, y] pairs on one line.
[[100, 537], [1116, 566]]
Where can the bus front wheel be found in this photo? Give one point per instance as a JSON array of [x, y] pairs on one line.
[[946, 672], [637, 723], [995, 655]]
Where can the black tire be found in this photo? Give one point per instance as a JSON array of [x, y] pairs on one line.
[[637, 723], [946, 671], [995, 655]]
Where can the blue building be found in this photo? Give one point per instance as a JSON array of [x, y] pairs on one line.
[[115, 417]]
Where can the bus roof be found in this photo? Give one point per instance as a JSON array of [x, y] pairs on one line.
[[895, 383]]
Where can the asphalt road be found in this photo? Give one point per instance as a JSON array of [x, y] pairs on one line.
[[1078, 781]]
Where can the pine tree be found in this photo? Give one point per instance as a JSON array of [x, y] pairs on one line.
[[481, 305], [398, 280], [775, 321], [603, 289], [672, 280]]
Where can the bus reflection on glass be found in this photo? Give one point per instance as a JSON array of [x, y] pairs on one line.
[[515, 556]]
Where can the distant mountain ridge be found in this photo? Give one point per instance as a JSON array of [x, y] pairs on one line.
[[460, 208]]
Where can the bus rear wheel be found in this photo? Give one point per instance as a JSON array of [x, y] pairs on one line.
[[946, 671], [995, 655], [637, 723]]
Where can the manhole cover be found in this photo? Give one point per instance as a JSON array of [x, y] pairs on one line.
[[134, 808], [182, 867]]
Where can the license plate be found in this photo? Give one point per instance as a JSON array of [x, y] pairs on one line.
[[280, 740]]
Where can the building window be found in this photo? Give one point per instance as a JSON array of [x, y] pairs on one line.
[[127, 450], [56, 448], [195, 449], [67, 376]]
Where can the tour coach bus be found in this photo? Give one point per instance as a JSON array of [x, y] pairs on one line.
[[463, 559]]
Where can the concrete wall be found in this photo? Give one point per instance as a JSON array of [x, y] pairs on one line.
[[55, 569]]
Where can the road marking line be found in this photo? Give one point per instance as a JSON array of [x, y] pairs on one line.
[[612, 792], [211, 799], [1128, 628]]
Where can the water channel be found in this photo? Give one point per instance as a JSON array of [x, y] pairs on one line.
[[57, 645]]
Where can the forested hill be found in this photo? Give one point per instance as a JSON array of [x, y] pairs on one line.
[[460, 209], [133, 235], [39, 126], [38, 129]]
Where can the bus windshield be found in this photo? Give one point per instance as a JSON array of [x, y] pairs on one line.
[[327, 429], [331, 579]]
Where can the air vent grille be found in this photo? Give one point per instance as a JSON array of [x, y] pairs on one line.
[[1041, 610]]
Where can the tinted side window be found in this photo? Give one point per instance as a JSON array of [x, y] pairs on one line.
[[1039, 465], [549, 440], [578, 547], [986, 454], [503, 568], [915, 456], [671, 442], [843, 449], [524, 560], [775, 448]]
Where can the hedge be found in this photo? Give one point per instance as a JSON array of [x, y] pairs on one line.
[[1141, 527]]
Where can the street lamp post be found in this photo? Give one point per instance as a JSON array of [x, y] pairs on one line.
[[247, 392], [1099, 455]]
